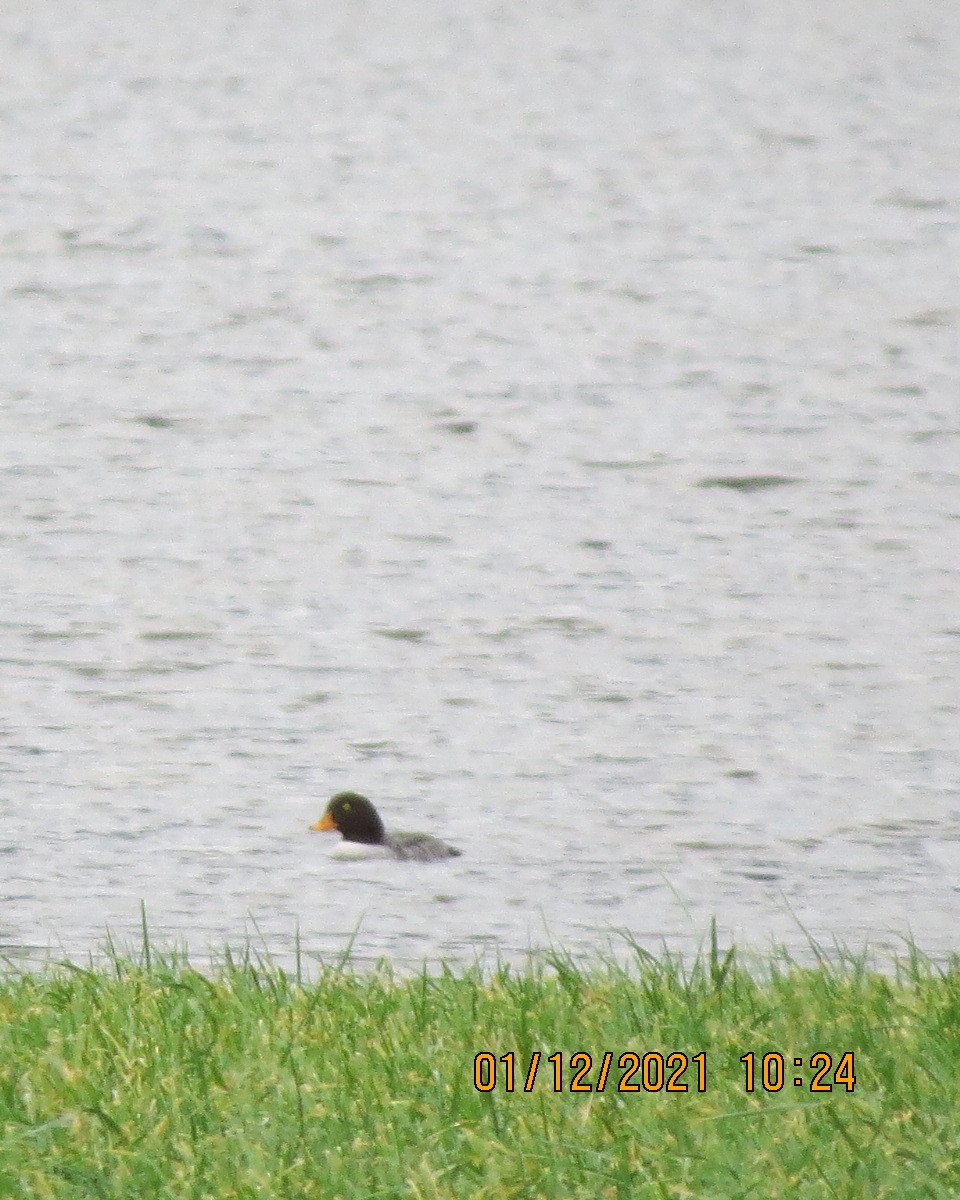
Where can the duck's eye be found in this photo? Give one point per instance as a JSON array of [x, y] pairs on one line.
[[347, 806]]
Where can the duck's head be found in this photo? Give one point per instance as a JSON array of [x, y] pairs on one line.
[[352, 816]]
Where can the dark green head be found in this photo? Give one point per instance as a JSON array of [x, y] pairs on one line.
[[354, 817]]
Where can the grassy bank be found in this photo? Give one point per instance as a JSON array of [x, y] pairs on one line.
[[151, 1079]]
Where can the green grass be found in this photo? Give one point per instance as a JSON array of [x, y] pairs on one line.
[[148, 1078]]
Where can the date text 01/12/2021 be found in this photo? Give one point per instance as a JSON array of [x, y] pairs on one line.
[[655, 1072]]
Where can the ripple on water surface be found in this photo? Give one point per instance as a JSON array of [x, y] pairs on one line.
[[559, 447]]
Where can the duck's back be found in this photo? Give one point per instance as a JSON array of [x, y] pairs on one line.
[[419, 847]]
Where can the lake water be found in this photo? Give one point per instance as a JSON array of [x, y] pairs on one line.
[[363, 369]]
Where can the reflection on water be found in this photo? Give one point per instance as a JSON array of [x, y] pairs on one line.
[[545, 424]]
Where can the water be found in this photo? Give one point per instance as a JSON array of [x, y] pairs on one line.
[[362, 369]]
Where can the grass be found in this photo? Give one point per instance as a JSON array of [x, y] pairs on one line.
[[148, 1078]]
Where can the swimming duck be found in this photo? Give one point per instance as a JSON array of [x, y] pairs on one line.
[[355, 818]]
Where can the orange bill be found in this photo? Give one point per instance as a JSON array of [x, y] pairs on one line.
[[325, 823]]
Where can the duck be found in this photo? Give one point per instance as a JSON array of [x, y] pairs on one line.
[[358, 822]]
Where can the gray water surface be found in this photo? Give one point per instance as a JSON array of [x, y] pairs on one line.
[[544, 419]]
